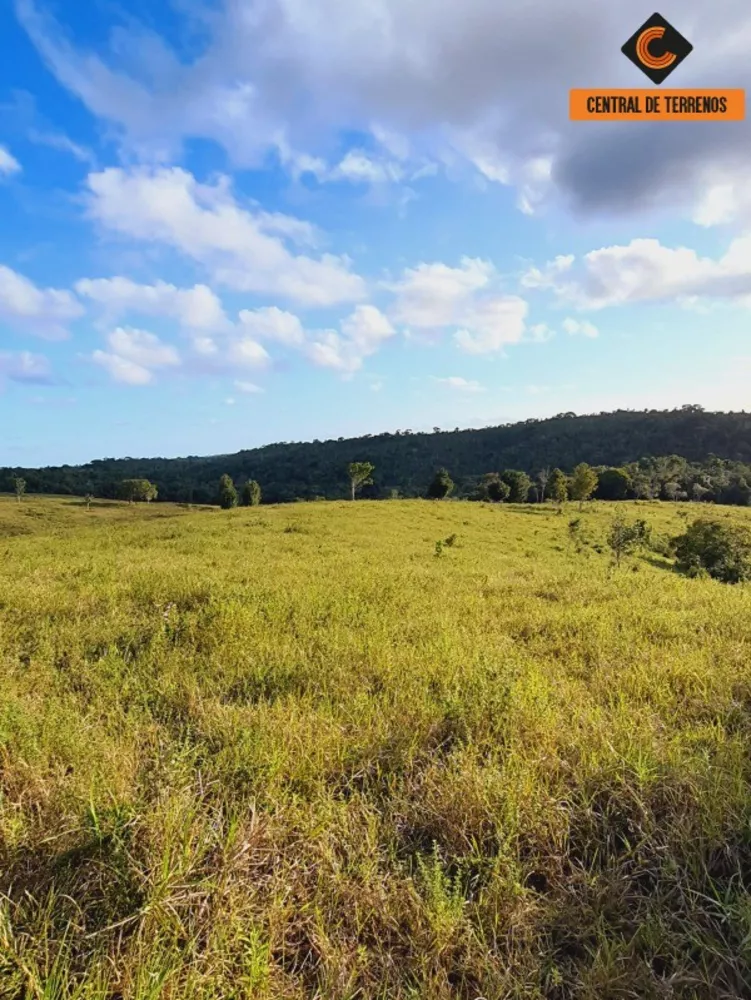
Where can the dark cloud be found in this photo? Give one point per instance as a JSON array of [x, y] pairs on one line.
[[453, 76]]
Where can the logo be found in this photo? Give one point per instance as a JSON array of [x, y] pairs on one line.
[[657, 48]]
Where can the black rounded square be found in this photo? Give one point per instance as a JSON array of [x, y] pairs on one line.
[[657, 48]]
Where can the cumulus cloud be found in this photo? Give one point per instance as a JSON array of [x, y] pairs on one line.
[[460, 384], [362, 334], [493, 323], [134, 355], [26, 368], [272, 323], [242, 249], [43, 312], [196, 308], [580, 328], [647, 271], [8, 163], [247, 353], [434, 297], [249, 388], [481, 80]]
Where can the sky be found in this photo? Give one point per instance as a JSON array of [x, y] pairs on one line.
[[225, 223]]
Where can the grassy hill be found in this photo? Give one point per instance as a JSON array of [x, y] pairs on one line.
[[290, 752], [406, 462]]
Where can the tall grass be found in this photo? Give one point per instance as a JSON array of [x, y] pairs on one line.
[[288, 753]]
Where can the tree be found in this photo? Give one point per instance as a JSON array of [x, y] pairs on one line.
[[518, 483], [709, 548], [360, 474], [497, 491], [623, 537], [583, 483], [441, 485], [137, 490], [227, 493], [251, 496], [558, 487], [613, 484], [543, 478], [737, 493], [19, 486], [88, 498]]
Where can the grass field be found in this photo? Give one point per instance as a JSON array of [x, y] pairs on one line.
[[290, 752]]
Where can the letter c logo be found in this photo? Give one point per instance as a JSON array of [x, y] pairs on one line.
[[643, 42]]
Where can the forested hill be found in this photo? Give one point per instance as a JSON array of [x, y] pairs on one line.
[[406, 461]]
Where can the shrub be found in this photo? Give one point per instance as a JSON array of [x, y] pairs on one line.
[[624, 538], [720, 551], [227, 493], [441, 486]]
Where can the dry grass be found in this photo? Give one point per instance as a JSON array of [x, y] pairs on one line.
[[293, 753]]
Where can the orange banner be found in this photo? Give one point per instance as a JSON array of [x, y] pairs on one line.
[[657, 105]]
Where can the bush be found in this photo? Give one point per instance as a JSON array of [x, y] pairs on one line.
[[227, 493], [441, 486], [624, 538], [720, 551]]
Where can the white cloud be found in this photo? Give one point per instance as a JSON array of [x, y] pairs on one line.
[[229, 402], [122, 370], [362, 334], [647, 271], [8, 163], [436, 297], [550, 275], [582, 328], [461, 384], [271, 323], [247, 353], [241, 249], [26, 368], [433, 296], [134, 354], [196, 308], [492, 323], [249, 388], [358, 167], [540, 333], [61, 142], [44, 312]]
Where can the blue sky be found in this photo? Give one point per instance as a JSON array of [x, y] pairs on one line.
[[234, 222]]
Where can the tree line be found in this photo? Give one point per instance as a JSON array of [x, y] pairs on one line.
[[682, 454]]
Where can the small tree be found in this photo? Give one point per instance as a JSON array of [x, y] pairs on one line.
[[543, 478], [360, 474], [19, 487], [519, 485], [613, 484], [441, 486], [558, 487], [583, 483], [498, 491], [227, 493], [624, 538], [709, 548], [137, 491], [251, 495]]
